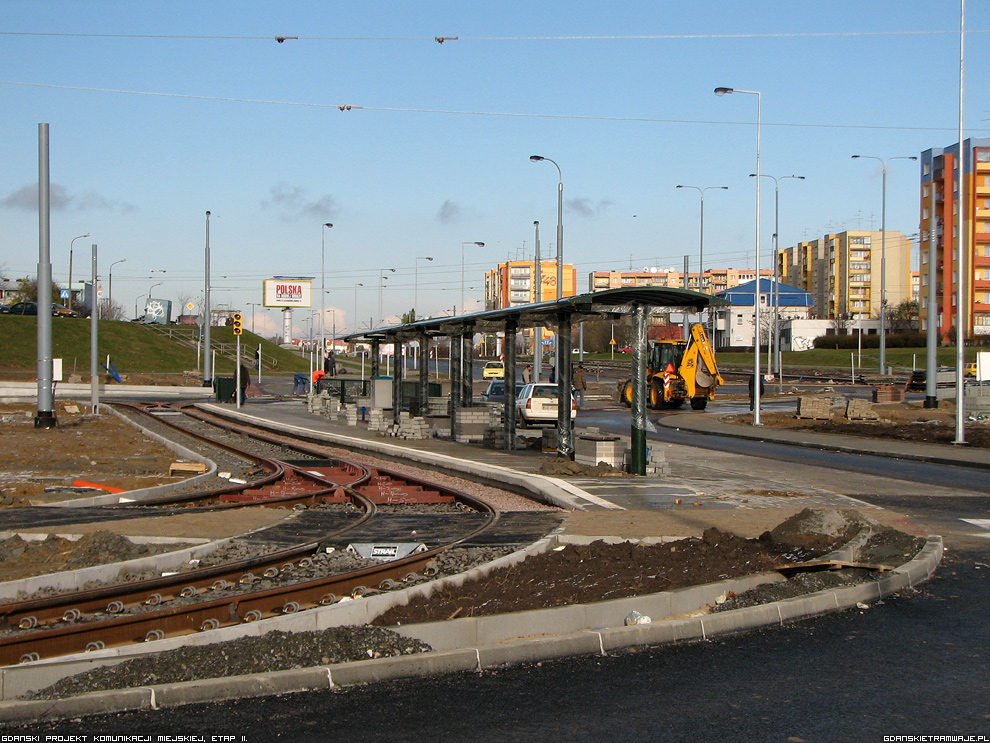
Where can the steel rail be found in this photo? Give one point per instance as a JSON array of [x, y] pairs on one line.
[[78, 633]]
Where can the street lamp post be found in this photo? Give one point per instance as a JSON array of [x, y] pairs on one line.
[[207, 314], [323, 289], [756, 294], [883, 250], [469, 242], [775, 341], [701, 250], [110, 281], [560, 223], [71, 242], [382, 278], [252, 305], [415, 285], [137, 303], [356, 286]]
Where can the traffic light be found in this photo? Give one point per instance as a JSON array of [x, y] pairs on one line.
[[238, 329]]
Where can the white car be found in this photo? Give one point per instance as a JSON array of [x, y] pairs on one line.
[[537, 403]]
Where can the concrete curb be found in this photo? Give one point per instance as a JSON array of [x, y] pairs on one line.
[[64, 391], [534, 645], [671, 422]]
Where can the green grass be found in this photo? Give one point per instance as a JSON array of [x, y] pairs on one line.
[[904, 358], [133, 348]]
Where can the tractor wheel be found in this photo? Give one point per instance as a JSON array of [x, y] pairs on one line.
[[656, 395], [626, 394], [699, 403]]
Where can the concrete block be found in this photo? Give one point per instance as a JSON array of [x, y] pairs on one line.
[[528, 651], [404, 666]]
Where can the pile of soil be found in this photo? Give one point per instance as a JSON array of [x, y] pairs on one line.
[[906, 421], [21, 558], [275, 651], [579, 574]]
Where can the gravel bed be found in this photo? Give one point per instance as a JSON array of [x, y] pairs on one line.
[[275, 651]]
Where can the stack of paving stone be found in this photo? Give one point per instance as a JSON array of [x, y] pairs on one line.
[[377, 420], [860, 410], [439, 406], [592, 448], [472, 424], [351, 415], [819, 408], [656, 462], [408, 427], [495, 433]]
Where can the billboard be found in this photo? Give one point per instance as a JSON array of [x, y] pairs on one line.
[[286, 292]]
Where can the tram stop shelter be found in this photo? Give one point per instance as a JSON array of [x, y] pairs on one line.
[[558, 315]]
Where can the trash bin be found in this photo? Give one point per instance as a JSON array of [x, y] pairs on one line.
[[224, 389]]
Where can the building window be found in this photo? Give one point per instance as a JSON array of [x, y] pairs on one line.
[[519, 271]]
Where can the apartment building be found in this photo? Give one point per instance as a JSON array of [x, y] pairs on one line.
[[841, 270], [713, 280], [940, 214], [514, 283]]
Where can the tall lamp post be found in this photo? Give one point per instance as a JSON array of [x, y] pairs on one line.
[[110, 288], [207, 314], [560, 223], [356, 287], [756, 294], [775, 341], [382, 278], [415, 285], [71, 243], [469, 242], [323, 289], [252, 305], [883, 251], [701, 250]]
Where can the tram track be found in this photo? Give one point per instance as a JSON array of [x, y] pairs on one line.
[[278, 583]]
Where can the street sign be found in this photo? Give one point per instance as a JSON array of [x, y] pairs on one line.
[[63, 294]]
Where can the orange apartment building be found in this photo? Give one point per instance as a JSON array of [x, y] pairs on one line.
[[940, 215]]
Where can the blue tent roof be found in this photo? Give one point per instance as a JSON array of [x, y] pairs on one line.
[[789, 296]]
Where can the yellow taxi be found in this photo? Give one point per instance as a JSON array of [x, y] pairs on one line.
[[493, 370]]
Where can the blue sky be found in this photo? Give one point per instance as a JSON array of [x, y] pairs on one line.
[[159, 112]]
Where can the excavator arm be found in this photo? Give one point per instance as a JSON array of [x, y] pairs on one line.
[[698, 368]]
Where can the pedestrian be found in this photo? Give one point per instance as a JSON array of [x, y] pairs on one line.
[[245, 381], [752, 390], [330, 365], [527, 374], [300, 384], [553, 375], [317, 376], [579, 381]]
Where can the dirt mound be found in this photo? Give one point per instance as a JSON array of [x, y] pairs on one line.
[[21, 558], [815, 528], [579, 574], [563, 467]]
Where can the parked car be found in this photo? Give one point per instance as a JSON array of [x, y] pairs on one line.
[[4, 309], [970, 370], [495, 392], [24, 308], [493, 370], [31, 308], [625, 349], [60, 310], [537, 403]]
